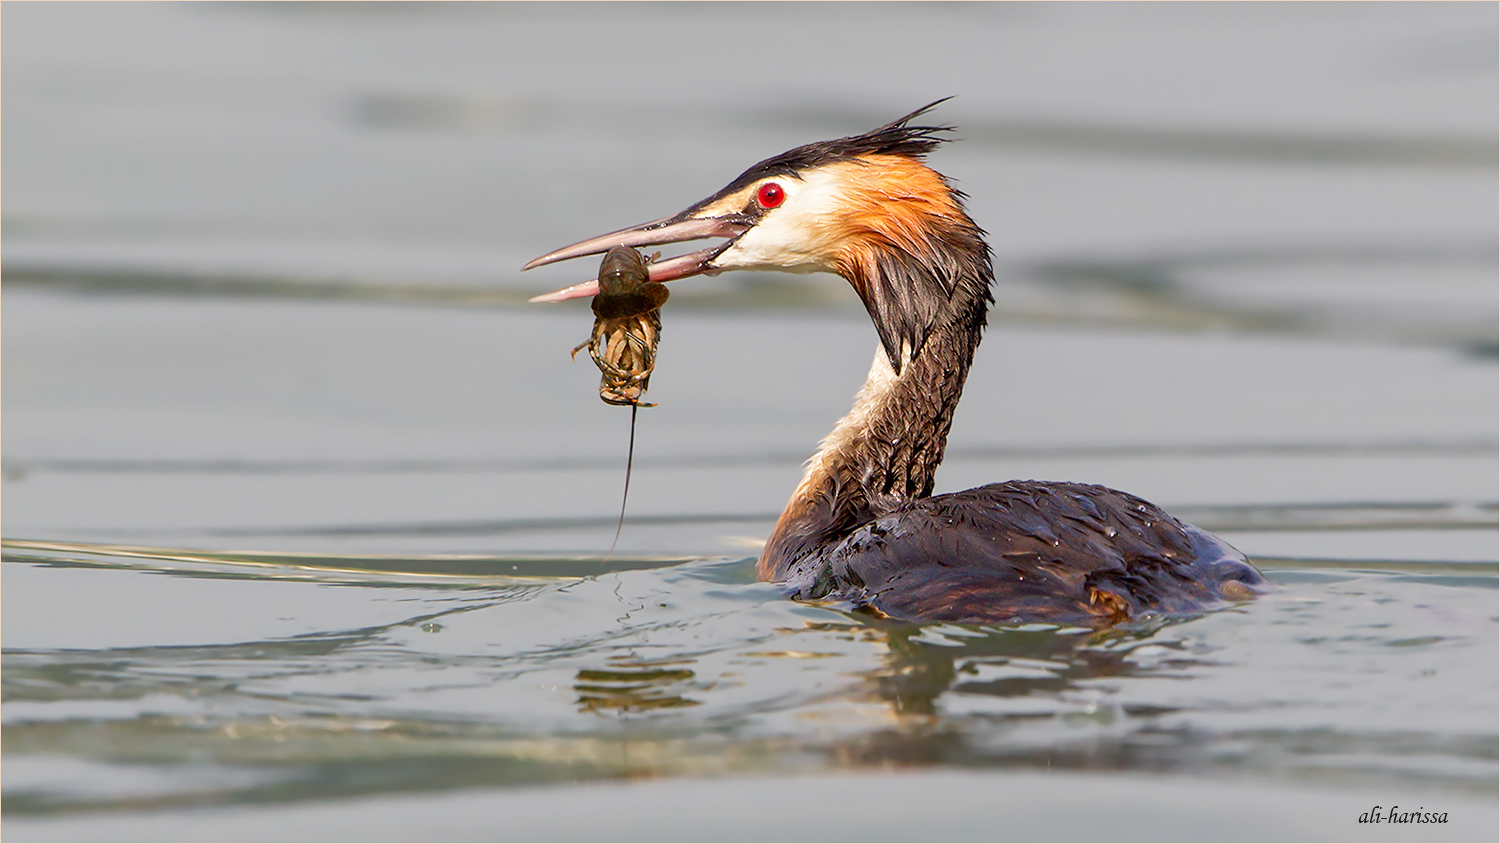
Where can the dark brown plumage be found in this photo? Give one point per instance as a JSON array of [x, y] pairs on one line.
[[863, 526], [1024, 551]]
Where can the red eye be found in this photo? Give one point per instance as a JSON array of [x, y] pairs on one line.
[[770, 195]]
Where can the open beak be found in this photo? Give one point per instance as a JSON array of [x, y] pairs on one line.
[[669, 230]]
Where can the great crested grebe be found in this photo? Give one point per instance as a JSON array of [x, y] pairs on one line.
[[864, 526]]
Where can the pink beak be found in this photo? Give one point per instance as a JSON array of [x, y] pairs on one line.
[[669, 230]]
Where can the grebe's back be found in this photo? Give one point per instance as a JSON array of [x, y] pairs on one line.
[[1026, 551]]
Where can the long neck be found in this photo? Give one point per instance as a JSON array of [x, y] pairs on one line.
[[887, 449]]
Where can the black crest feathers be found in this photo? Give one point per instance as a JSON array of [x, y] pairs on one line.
[[894, 138]]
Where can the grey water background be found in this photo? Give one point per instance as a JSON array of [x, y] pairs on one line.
[[305, 510]]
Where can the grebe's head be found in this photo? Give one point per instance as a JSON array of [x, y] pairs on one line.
[[866, 207]]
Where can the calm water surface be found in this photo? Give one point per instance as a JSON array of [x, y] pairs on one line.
[[305, 510]]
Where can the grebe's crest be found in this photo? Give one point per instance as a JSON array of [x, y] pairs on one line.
[[894, 138]]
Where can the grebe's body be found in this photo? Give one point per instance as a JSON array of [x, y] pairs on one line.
[[863, 526]]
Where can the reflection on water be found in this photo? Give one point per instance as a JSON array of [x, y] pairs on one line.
[[692, 669], [630, 686], [1008, 664]]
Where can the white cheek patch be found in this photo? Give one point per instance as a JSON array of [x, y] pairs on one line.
[[771, 248], [797, 236]]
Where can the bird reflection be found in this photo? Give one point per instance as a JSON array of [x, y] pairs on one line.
[[922, 664], [918, 671]]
